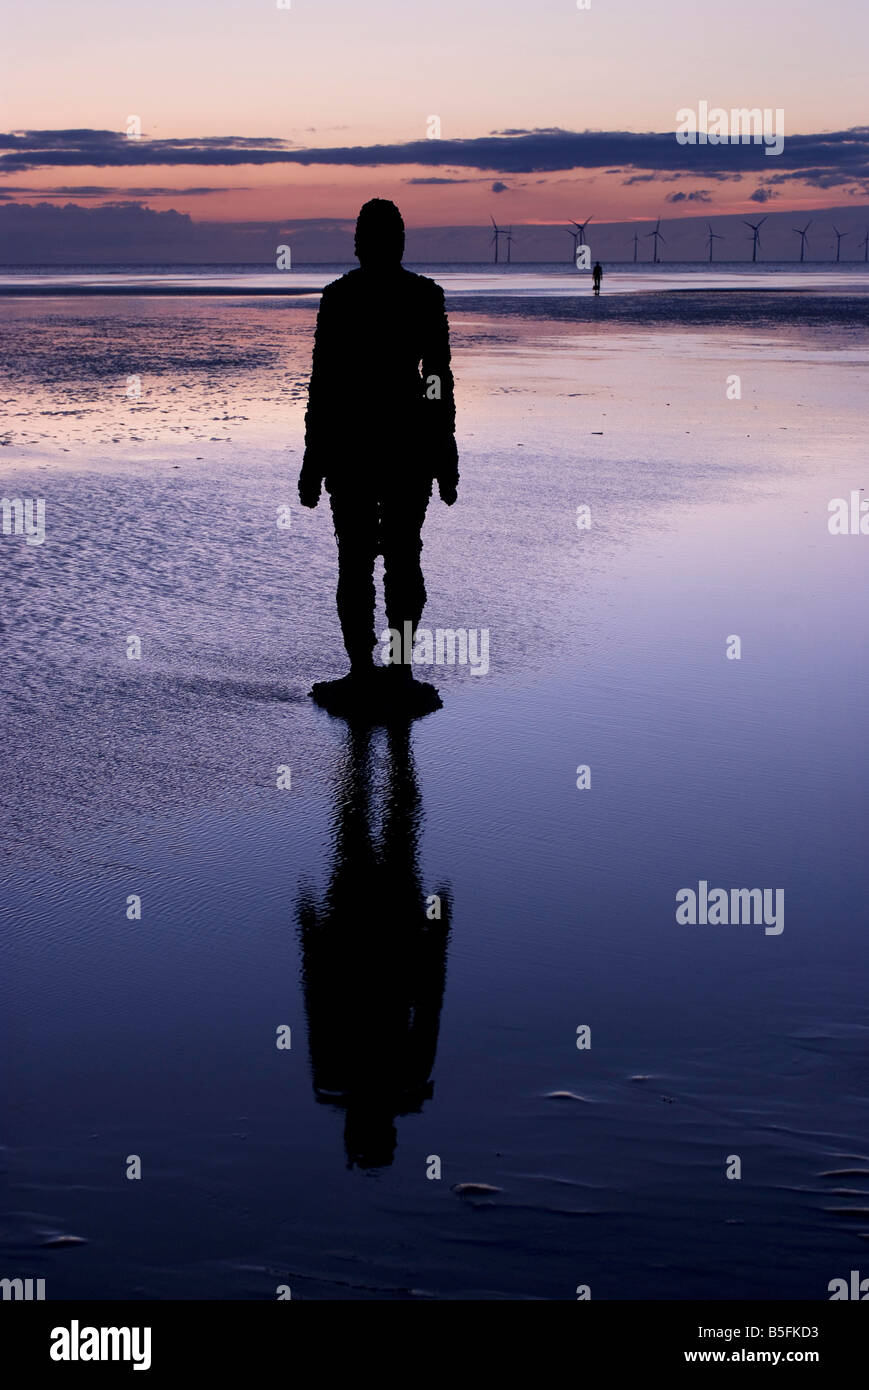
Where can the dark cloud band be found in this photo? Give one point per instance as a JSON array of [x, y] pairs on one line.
[[826, 160]]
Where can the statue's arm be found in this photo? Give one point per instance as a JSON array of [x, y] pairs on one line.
[[321, 404], [439, 391]]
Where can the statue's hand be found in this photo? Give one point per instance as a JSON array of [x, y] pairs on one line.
[[309, 488], [448, 493]]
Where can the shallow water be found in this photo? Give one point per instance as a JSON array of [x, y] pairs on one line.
[[517, 280], [266, 907]]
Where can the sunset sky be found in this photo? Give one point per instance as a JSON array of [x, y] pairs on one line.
[[335, 76]]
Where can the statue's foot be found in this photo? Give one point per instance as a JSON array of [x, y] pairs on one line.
[[377, 694], [354, 685]]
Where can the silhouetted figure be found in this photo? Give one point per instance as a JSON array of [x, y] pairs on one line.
[[379, 428], [596, 276], [373, 963]]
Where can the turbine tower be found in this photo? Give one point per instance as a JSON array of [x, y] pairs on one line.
[[801, 233], [499, 231], [865, 244], [658, 235], [575, 235], [509, 235], [580, 227], [839, 236], [711, 238], [636, 240], [755, 229]]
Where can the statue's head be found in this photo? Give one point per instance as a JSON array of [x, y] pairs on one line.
[[379, 241]]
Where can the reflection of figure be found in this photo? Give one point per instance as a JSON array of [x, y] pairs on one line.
[[378, 430], [596, 275], [373, 963]]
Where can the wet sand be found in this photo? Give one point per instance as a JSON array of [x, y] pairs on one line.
[[157, 777]]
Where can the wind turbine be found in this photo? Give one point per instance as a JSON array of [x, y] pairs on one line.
[[580, 227], [755, 229], [839, 236], [575, 235], [801, 233], [657, 234], [636, 240], [499, 231], [509, 235], [712, 235], [865, 244]]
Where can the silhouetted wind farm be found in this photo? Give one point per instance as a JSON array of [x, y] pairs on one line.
[[577, 232]]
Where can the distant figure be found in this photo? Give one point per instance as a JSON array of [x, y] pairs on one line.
[[596, 276], [379, 431]]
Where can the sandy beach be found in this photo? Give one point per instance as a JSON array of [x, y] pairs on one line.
[[164, 438]]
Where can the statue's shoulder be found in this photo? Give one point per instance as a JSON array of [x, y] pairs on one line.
[[425, 286], [345, 284], [423, 291]]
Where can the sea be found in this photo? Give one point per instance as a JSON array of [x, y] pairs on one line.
[[413, 1012]]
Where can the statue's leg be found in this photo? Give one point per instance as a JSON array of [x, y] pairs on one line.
[[402, 513], [356, 531]]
